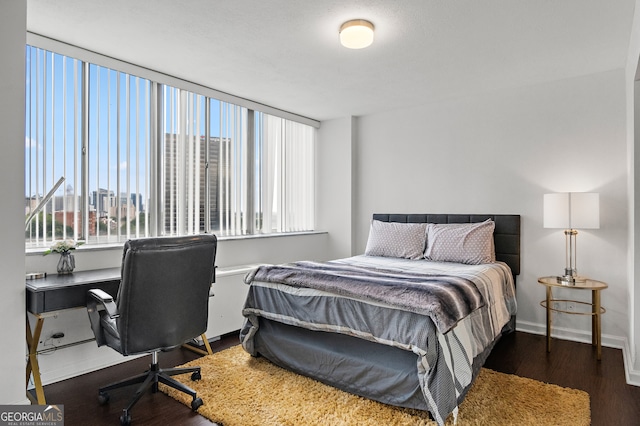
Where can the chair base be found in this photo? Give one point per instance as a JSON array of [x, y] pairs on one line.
[[150, 379]]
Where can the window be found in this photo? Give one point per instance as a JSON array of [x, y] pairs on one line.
[[229, 167], [142, 158], [285, 175], [183, 154], [54, 94], [116, 157]]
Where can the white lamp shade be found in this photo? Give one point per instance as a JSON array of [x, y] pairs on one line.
[[356, 34], [556, 210], [572, 210]]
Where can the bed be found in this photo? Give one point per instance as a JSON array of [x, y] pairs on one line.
[[409, 323]]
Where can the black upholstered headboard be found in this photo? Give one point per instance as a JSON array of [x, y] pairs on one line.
[[506, 234]]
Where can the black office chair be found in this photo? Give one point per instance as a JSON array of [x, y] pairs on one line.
[[162, 303]]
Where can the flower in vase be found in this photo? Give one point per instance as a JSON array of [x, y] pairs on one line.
[[63, 246]]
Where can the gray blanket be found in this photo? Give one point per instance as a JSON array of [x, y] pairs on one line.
[[445, 299]]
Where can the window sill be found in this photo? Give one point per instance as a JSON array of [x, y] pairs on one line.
[[118, 246]]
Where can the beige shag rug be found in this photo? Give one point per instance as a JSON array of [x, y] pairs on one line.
[[239, 390]]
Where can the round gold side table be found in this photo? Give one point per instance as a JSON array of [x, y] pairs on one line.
[[596, 310]]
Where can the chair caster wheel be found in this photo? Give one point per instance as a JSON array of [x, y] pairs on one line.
[[196, 375], [125, 420], [103, 398], [196, 403]]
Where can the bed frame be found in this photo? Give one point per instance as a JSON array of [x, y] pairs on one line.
[[289, 346]]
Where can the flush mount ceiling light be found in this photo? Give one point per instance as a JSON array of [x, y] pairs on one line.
[[356, 34]]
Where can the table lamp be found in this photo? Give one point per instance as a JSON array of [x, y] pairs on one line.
[[571, 211]]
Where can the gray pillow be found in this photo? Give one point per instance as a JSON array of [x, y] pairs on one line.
[[394, 239], [470, 243]]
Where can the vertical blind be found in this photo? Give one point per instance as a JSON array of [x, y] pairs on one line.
[[117, 155], [229, 122], [183, 145], [54, 96], [142, 158], [286, 174]]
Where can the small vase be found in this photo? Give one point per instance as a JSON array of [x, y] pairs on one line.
[[66, 264]]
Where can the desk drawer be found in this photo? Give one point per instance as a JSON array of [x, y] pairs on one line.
[[39, 302]]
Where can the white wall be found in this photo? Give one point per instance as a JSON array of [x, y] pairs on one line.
[[334, 184], [13, 22], [499, 153], [634, 223], [633, 138]]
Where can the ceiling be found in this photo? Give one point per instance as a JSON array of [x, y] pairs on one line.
[[286, 53]]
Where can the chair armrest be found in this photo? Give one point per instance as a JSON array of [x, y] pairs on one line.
[[105, 299], [100, 303]]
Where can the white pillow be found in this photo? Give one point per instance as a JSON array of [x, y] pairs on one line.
[[395, 239], [470, 243]]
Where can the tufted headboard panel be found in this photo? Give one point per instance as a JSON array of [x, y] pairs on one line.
[[506, 235]]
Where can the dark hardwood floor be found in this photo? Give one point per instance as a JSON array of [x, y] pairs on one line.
[[573, 365], [79, 395], [570, 364]]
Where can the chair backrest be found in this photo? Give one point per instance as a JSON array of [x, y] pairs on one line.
[[163, 299]]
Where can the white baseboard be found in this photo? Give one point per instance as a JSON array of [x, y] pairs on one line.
[[632, 376], [574, 335]]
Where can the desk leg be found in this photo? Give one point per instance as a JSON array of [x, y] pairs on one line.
[[596, 330], [549, 297], [32, 363], [192, 348], [206, 344]]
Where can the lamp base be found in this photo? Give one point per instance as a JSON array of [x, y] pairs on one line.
[[570, 279]]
